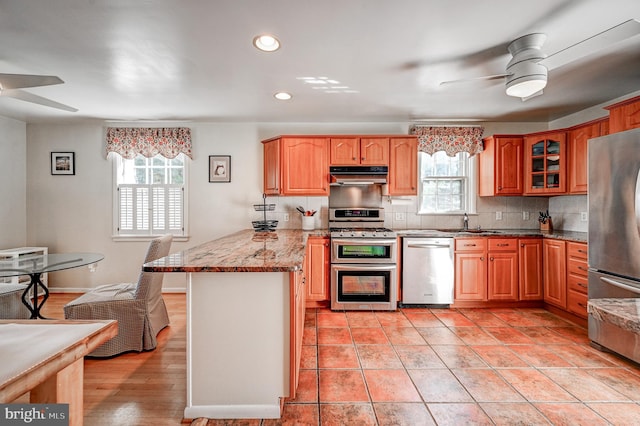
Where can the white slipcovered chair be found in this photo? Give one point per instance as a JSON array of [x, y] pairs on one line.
[[11, 306], [138, 307]]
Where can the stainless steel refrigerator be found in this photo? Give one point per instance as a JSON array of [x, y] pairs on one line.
[[614, 232]]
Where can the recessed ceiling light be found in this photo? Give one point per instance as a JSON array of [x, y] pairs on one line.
[[282, 96], [266, 43]]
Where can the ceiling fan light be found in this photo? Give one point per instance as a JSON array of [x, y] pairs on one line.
[[526, 78], [526, 86]]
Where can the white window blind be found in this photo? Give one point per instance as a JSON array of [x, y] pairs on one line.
[[150, 209], [150, 196]]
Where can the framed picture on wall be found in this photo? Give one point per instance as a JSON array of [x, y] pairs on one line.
[[219, 168], [63, 163]]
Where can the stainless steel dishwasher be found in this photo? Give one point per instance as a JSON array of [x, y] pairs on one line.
[[427, 270]]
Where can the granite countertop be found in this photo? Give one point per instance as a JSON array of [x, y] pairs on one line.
[[560, 235], [244, 251], [620, 312]]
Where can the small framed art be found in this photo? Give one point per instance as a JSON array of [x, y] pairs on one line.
[[63, 163], [219, 168]]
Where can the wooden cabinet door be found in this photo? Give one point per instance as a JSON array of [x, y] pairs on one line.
[[545, 163], [305, 166], [555, 272], [502, 282], [317, 270], [508, 171], [296, 326], [530, 269], [271, 171], [345, 151], [578, 156], [470, 276], [500, 166], [624, 115], [374, 151], [403, 166]]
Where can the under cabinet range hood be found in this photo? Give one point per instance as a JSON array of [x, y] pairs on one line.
[[358, 175]]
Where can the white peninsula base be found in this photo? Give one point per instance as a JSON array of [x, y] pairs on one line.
[[238, 344]]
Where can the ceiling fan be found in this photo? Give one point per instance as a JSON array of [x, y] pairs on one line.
[[10, 85], [526, 72]]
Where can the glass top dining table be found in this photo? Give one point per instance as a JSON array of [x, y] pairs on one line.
[[36, 265]]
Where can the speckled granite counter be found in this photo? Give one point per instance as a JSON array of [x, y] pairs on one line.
[[560, 235], [243, 251], [624, 313]]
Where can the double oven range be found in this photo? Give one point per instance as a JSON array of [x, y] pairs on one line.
[[363, 252]]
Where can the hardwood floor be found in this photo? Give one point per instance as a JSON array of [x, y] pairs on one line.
[[147, 388]]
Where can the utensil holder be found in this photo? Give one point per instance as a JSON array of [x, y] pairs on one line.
[[308, 223]]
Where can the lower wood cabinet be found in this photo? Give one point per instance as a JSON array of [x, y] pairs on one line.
[[530, 269], [555, 272], [317, 271], [577, 278], [296, 321], [498, 269]]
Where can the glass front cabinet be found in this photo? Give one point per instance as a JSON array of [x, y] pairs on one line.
[[545, 163]]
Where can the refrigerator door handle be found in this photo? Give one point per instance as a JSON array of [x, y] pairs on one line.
[[637, 202], [620, 285]]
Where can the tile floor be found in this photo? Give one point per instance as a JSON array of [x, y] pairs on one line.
[[457, 367]]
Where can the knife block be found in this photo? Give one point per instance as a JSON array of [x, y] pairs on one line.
[[547, 226]]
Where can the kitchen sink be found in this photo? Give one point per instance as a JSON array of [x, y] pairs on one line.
[[469, 231]]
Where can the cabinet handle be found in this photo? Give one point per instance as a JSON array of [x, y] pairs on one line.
[[499, 188], [582, 268], [503, 245], [581, 251], [482, 258], [491, 259], [582, 285], [582, 305], [354, 158], [469, 245], [522, 245], [363, 158]]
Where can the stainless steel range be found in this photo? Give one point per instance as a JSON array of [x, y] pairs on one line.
[[363, 251]]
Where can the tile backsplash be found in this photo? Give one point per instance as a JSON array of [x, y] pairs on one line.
[[400, 213]]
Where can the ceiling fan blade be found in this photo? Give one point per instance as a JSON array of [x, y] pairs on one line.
[[597, 42], [30, 97], [533, 95], [474, 79], [20, 81]]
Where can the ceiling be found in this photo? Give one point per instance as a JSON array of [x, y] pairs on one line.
[[194, 60]]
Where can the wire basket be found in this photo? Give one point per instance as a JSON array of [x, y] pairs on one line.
[[264, 207], [264, 225]]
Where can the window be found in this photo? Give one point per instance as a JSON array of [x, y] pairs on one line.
[[150, 196], [447, 184]]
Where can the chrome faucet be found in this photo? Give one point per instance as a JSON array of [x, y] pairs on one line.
[[465, 222]]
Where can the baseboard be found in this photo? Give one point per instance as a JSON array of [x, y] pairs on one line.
[[84, 290]]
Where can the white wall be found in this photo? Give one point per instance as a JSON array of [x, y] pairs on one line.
[[74, 213], [13, 178]]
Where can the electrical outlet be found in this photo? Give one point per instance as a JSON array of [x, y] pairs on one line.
[[286, 217], [401, 216], [498, 215], [584, 216], [525, 215]]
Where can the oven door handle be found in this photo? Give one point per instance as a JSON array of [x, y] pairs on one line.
[[363, 266], [444, 246]]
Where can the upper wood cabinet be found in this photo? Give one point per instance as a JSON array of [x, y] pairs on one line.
[[545, 163], [578, 156], [403, 166], [624, 115], [299, 165], [500, 166], [370, 151]]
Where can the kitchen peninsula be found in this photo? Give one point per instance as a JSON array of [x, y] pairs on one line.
[[245, 316]]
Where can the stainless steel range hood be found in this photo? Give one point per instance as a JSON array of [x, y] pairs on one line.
[[358, 175]]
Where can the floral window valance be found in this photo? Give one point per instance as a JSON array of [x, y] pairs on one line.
[[149, 141], [451, 140]]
